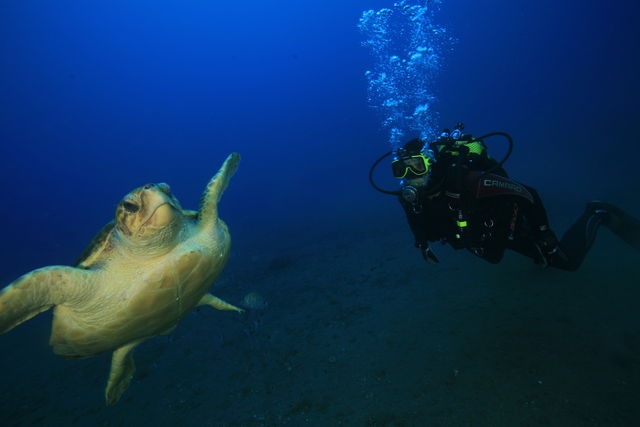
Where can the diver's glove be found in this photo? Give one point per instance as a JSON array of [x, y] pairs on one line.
[[428, 254]]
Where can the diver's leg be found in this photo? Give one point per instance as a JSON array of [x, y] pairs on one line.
[[623, 225], [534, 238], [579, 238], [536, 212], [529, 247]]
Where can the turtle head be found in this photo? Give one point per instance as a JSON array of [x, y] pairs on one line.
[[149, 216]]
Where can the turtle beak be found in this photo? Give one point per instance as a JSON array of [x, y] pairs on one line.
[[161, 216], [164, 187], [159, 205]]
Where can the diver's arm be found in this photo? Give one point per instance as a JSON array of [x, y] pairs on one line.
[[417, 225], [420, 230]]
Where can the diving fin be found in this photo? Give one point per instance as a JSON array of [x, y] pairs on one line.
[[623, 225]]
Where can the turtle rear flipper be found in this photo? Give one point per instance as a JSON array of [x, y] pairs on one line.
[[218, 303], [38, 291], [212, 194], [122, 370]]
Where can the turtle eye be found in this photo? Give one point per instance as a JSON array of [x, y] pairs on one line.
[[130, 207]]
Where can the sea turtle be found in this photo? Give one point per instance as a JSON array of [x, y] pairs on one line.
[[137, 278]]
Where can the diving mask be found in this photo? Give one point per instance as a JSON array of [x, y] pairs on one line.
[[410, 166]]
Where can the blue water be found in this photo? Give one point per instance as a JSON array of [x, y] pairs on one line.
[[97, 98]]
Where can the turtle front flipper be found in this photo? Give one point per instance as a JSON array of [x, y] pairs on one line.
[[190, 214], [96, 248], [218, 304], [38, 291], [122, 369], [212, 194]]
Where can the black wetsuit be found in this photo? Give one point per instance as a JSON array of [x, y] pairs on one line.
[[489, 213]]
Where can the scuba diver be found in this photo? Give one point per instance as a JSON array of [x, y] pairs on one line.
[[453, 192]]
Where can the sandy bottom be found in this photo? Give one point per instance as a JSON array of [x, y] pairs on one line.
[[358, 330]]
